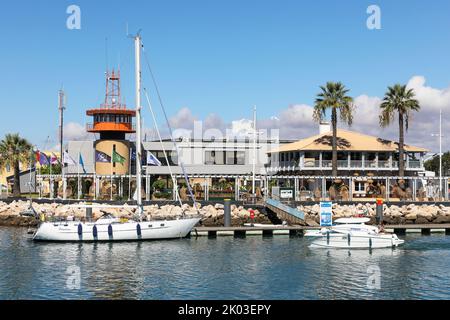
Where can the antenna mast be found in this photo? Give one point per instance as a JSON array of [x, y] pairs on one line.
[[61, 108]]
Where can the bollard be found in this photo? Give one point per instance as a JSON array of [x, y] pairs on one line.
[[88, 213], [252, 216], [227, 213], [379, 217]]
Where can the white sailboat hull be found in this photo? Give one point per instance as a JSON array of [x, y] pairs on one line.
[[72, 231]]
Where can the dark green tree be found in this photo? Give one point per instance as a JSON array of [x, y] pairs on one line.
[[13, 151], [334, 96]]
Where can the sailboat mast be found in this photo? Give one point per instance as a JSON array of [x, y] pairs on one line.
[[137, 44]]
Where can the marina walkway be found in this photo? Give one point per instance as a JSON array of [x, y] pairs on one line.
[[275, 230]]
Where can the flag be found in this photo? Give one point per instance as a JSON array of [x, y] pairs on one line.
[[117, 158], [152, 160], [81, 163], [133, 155], [54, 159], [38, 155], [102, 157], [67, 159], [43, 160]]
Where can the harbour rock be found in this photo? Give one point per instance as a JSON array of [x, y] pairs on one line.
[[442, 219], [411, 216]]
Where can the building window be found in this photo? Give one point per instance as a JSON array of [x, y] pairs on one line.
[[224, 157], [359, 186], [231, 157], [220, 158], [240, 157], [209, 157]]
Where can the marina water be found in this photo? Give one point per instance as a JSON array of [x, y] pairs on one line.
[[224, 268]]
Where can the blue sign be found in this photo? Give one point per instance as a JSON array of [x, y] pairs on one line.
[[326, 214]]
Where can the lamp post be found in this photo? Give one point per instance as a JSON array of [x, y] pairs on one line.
[[440, 152]]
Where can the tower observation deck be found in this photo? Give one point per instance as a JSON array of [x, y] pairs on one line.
[[112, 120]]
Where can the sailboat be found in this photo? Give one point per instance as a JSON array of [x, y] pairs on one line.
[[110, 228]]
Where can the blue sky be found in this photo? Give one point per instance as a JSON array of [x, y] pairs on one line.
[[212, 56]]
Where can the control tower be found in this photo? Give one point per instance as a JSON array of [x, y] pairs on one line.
[[112, 121]]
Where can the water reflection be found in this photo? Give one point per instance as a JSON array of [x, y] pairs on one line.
[[223, 268]]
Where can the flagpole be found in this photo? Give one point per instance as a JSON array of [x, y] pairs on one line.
[[40, 180], [62, 176], [112, 161], [95, 176], [78, 172], [51, 184], [129, 176], [30, 183], [64, 182]]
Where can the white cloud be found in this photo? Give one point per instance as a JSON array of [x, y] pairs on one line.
[[429, 98], [74, 131], [213, 121], [422, 124], [241, 128], [184, 119], [296, 122]]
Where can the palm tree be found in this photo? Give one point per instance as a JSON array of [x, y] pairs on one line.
[[334, 96], [13, 150], [398, 100]]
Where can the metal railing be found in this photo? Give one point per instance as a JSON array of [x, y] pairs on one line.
[[369, 164]]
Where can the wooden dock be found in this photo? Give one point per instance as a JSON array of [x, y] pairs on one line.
[[298, 231]]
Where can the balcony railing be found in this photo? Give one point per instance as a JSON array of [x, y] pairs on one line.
[[356, 164], [414, 164], [311, 163]]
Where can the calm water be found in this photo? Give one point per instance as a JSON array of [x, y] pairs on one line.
[[223, 268]]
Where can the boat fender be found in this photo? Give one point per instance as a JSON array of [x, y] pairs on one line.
[[94, 232], [138, 230], [110, 231], [349, 238], [80, 229]]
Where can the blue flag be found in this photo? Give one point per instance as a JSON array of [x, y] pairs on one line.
[[81, 163], [43, 160], [102, 157]]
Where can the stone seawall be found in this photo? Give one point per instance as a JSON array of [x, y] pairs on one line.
[[212, 215], [392, 214]]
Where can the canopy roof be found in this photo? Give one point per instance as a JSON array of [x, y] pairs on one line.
[[346, 141]]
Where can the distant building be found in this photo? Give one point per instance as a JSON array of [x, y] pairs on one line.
[[358, 154]]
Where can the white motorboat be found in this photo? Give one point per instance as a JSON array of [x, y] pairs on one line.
[[114, 229], [352, 233], [110, 228]]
